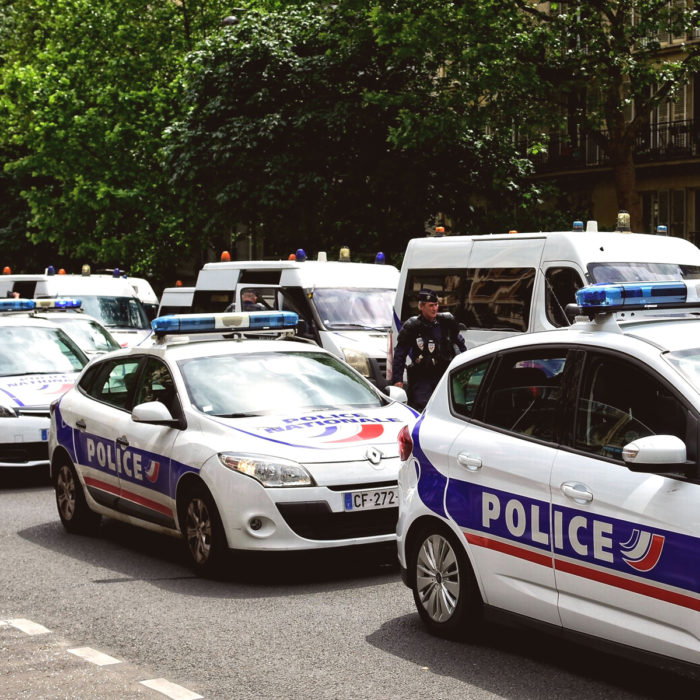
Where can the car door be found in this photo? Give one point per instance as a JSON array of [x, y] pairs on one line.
[[144, 450], [626, 543], [101, 415], [499, 477]]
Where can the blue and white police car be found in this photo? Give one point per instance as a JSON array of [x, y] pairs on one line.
[[234, 443], [555, 477], [38, 363]]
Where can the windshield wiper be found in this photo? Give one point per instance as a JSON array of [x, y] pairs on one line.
[[361, 326]]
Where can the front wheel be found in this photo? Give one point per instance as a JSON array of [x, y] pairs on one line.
[[73, 509], [444, 588], [203, 532]]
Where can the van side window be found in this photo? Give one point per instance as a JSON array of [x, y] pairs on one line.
[[561, 285], [499, 298], [449, 285]]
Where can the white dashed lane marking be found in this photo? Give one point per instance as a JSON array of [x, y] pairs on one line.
[[171, 690], [49, 660]]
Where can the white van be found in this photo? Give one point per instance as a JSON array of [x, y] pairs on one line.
[[111, 300], [176, 300], [503, 284], [344, 307]]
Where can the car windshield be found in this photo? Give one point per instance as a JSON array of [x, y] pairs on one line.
[[88, 334], [687, 363], [642, 272], [262, 383], [36, 350], [116, 312], [355, 308]]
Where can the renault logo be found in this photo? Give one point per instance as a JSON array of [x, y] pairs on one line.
[[374, 456]]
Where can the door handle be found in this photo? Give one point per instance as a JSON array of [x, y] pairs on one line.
[[577, 492], [123, 441], [81, 424], [473, 464]]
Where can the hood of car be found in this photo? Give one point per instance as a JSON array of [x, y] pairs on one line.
[[35, 389], [333, 434]]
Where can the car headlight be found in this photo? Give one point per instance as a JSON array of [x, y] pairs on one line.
[[271, 472], [358, 360], [8, 412]]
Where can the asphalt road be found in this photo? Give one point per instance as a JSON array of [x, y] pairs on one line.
[[338, 625]]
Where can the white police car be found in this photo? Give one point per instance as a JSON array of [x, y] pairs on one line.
[[248, 444], [38, 362], [555, 477]]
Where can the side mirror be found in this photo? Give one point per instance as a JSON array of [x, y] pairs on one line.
[[396, 393], [155, 413], [656, 454]]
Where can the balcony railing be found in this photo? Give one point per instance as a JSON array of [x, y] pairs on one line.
[[663, 141]]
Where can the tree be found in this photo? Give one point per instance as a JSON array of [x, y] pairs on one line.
[[599, 63], [321, 124]]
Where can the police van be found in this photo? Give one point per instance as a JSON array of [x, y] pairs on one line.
[[109, 298], [345, 307], [499, 285]]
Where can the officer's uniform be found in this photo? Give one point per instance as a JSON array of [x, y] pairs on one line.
[[430, 346]]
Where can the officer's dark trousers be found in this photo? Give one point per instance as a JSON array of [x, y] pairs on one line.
[[420, 392]]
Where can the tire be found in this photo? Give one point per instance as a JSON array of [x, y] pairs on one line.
[[73, 509], [444, 587], [203, 532]]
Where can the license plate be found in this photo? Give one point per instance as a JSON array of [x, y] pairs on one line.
[[372, 499]]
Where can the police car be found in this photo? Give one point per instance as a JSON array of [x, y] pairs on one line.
[[234, 443], [38, 362], [555, 477]]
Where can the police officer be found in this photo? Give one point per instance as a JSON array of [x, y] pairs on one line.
[[429, 339]]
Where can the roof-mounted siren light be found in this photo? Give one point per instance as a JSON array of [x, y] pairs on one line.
[[57, 303], [513, 230], [50, 270], [578, 225], [292, 256], [439, 230], [7, 270], [17, 304], [116, 272], [61, 271], [623, 221], [322, 257], [344, 254], [225, 323], [380, 258], [591, 226], [85, 271], [630, 296], [300, 255], [225, 256], [662, 230]]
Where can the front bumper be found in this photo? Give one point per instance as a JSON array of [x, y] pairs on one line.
[[24, 441]]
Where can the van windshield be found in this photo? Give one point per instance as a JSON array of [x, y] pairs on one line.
[[116, 312], [641, 272], [348, 309]]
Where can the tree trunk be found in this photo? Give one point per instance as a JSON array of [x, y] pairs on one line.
[[626, 190]]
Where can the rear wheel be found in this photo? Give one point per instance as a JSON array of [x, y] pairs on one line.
[[444, 588], [203, 531], [73, 509]]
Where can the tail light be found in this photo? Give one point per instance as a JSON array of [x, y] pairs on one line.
[[405, 443]]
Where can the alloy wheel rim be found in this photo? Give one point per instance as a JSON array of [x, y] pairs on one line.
[[198, 530], [65, 493], [437, 578]]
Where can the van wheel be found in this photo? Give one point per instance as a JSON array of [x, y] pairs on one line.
[[73, 509], [203, 531], [444, 587]]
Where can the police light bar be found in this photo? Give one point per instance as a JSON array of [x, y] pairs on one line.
[[225, 322], [16, 304], [57, 303], [630, 296]]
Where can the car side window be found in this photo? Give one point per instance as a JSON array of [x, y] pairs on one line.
[[620, 402], [114, 384], [525, 394], [561, 285], [157, 384], [464, 386]]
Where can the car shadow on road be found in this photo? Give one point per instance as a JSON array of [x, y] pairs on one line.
[[524, 663], [133, 554], [12, 478]]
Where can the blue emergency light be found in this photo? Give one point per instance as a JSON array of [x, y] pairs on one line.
[[16, 304], [225, 322], [629, 296], [57, 303]]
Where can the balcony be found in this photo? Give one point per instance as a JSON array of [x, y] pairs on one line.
[[661, 142]]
